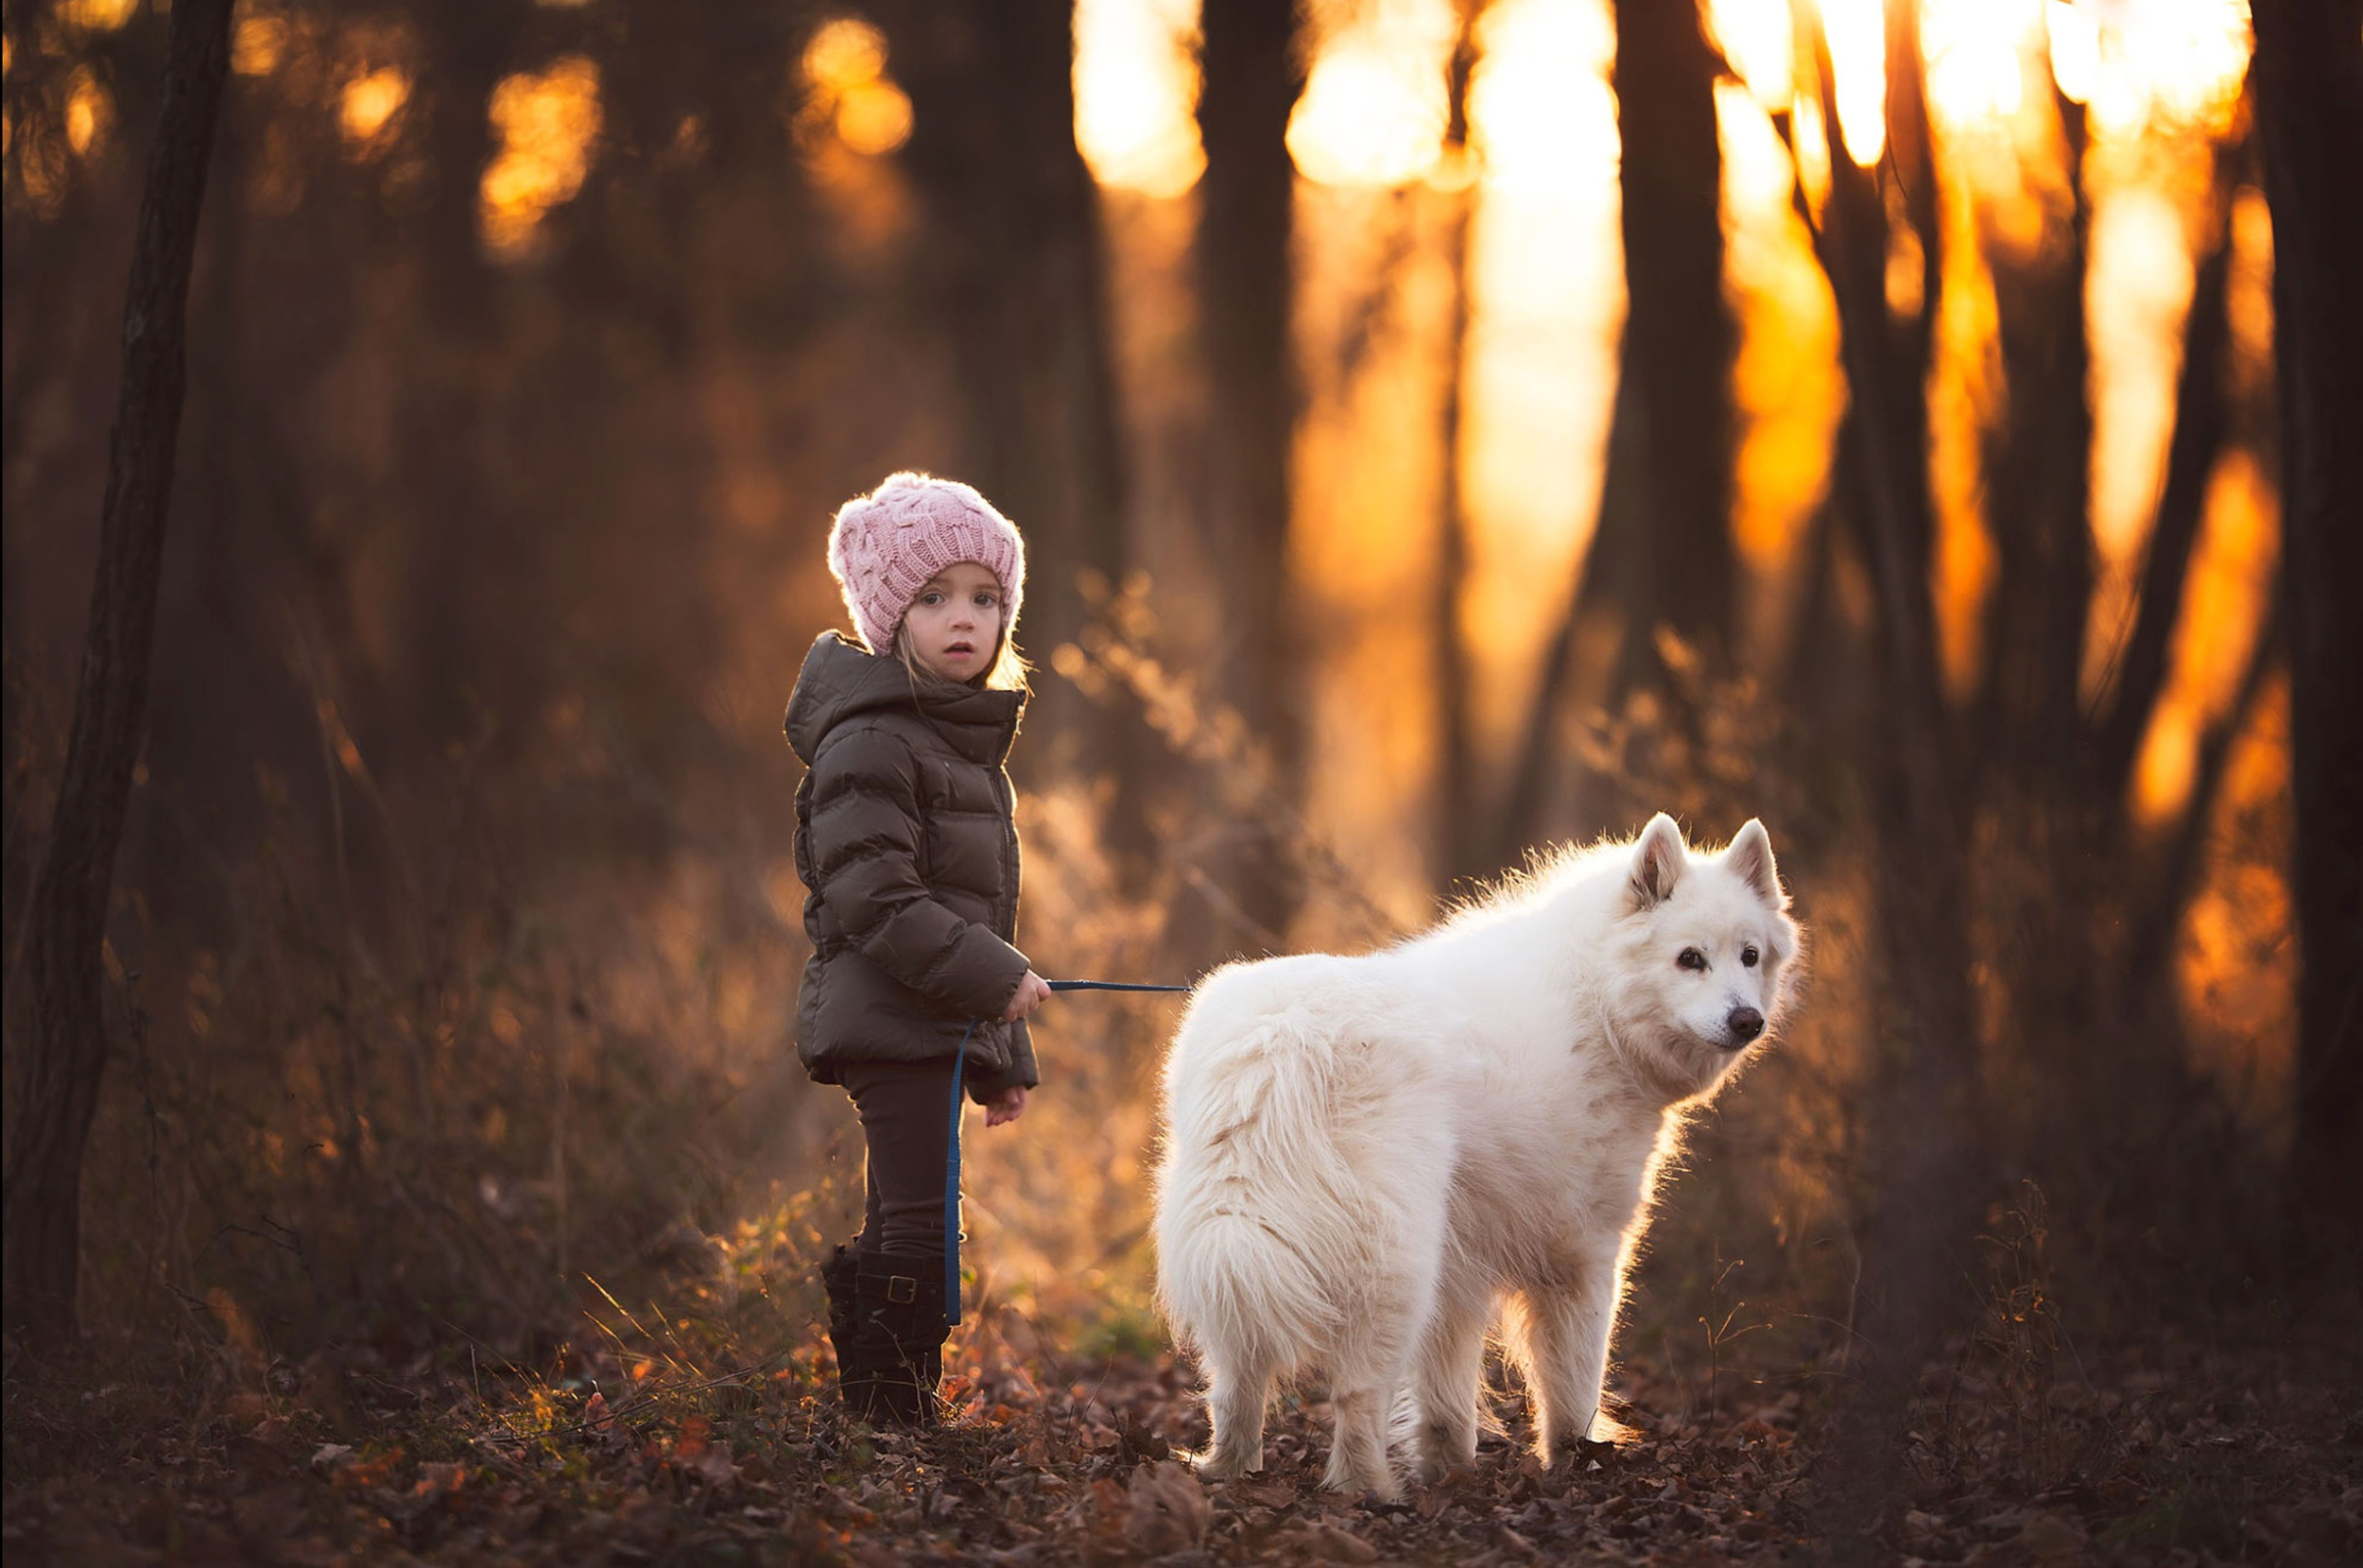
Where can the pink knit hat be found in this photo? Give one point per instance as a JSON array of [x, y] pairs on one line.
[[886, 545]]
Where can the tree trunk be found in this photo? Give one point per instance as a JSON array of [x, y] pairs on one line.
[[1661, 555], [1458, 849], [2203, 418], [1254, 69], [2038, 469], [2309, 99], [1664, 553], [68, 916], [1922, 1108], [1019, 272]]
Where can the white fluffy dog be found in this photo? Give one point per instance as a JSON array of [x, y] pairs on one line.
[[1367, 1159]]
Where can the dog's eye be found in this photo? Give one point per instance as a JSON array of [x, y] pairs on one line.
[[1692, 959], [1749, 957]]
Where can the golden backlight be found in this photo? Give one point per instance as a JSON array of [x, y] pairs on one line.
[[845, 73], [1374, 108], [2160, 77], [545, 123], [370, 101], [1136, 93]]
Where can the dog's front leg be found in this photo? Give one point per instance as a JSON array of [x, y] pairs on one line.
[[1567, 1357]]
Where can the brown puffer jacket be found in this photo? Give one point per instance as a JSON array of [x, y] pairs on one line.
[[906, 837]]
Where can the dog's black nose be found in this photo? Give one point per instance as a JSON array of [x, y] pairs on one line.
[[1744, 1024]]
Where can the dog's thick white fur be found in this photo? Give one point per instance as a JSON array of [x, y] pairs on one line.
[[1367, 1161]]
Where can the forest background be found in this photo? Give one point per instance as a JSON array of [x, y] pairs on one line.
[[1440, 427]]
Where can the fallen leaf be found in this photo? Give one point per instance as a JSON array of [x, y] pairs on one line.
[[1265, 1494], [354, 1472], [2048, 1538], [1167, 1508], [1340, 1545], [439, 1481], [711, 1464]]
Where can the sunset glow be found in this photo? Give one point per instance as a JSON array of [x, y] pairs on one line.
[[98, 16], [2224, 607], [1758, 37], [87, 112], [1373, 109], [1979, 55], [472, 929], [1785, 385], [1136, 93], [1542, 117], [2173, 63], [1857, 35], [845, 70], [370, 101], [257, 42], [546, 123]]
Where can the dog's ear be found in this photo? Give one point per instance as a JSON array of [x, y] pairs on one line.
[[1750, 858], [1658, 860]]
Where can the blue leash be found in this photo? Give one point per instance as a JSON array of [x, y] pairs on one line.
[[951, 1190], [952, 1158]]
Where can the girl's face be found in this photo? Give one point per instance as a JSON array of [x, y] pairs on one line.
[[955, 623]]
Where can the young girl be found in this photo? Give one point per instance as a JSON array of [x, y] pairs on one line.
[[906, 841]]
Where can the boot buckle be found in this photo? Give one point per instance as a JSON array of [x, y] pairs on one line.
[[902, 1289]]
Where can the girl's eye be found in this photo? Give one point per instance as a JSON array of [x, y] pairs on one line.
[[931, 597], [1749, 957], [1692, 959]]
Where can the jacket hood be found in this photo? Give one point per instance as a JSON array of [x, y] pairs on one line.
[[841, 682]]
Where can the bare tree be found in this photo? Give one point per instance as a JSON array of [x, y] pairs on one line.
[[2038, 476], [1661, 556], [1253, 70], [2309, 77], [1461, 850], [68, 1052], [1665, 552], [1921, 874], [1019, 272], [2019, 754]]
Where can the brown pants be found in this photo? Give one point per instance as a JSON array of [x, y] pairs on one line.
[[906, 1110]]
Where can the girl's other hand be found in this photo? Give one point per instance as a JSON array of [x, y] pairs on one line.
[[1007, 1106], [1032, 992]]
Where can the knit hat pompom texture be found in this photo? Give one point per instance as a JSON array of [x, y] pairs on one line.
[[885, 547]]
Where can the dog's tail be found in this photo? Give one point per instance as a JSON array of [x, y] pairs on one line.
[[1262, 1224]]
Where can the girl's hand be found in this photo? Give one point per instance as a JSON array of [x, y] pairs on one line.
[[1032, 992], [1007, 1106]]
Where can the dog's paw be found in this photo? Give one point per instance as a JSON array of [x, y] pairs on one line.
[[1216, 1465]]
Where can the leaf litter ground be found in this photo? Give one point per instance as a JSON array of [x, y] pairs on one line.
[[2197, 1454]]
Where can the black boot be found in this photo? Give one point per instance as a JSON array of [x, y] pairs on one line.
[[898, 1340], [838, 1279]]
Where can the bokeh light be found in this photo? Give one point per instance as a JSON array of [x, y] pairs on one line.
[[1375, 107], [1136, 93], [1857, 35], [546, 123], [370, 101], [845, 71]]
